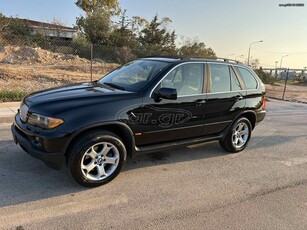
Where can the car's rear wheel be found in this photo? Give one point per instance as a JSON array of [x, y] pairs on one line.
[[96, 158], [237, 136]]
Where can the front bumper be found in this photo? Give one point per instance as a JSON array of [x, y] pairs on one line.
[[42, 150]]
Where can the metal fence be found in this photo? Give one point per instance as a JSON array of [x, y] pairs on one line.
[[288, 87], [33, 63]]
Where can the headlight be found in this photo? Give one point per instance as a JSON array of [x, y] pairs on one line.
[[23, 112], [44, 122]]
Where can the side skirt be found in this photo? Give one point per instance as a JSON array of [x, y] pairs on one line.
[[174, 144]]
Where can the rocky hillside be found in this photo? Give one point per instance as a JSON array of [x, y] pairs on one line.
[[27, 69]]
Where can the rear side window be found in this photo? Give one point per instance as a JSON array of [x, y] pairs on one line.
[[219, 78], [249, 80]]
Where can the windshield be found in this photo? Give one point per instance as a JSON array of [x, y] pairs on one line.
[[134, 75]]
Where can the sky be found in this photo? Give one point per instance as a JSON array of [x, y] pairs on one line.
[[228, 27]]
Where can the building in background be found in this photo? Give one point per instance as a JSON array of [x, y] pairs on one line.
[[51, 30]]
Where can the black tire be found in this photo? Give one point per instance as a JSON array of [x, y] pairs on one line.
[[227, 142], [79, 152]]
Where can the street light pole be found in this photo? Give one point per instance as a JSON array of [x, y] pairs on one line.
[[281, 61], [249, 50]]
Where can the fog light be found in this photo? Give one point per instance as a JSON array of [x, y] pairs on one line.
[[36, 141]]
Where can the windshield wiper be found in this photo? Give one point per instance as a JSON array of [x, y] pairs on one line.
[[114, 85]]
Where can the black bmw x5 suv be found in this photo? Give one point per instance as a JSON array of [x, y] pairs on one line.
[[146, 105]]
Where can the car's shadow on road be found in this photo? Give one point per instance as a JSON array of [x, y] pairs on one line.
[[24, 179], [181, 154]]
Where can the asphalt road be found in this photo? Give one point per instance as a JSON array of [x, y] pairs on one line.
[[196, 187]]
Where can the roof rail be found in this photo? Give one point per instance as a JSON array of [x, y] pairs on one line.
[[163, 56], [195, 58], [212, 58]]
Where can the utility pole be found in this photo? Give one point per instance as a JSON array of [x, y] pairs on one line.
[[283, 95], [276, 69]]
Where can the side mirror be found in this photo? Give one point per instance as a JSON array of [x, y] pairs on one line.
[[167, 93]]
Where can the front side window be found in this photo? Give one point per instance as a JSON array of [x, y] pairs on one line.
[[249, 80], [187, 79], [219, 78], [134, 75]]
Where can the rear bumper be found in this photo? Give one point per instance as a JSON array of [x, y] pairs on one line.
[[260, 116], [54, 160]]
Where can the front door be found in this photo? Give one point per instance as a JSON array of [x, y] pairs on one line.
[[170, 120]]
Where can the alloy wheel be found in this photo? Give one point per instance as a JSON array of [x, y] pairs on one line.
[[240, 135], [100, 161]]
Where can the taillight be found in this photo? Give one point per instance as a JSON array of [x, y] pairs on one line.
[[264, 102]]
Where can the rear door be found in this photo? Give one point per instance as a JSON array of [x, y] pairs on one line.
[[253, 95], [225, 97]]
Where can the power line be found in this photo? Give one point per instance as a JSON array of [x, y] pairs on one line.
[[279, 52], [269, 65]]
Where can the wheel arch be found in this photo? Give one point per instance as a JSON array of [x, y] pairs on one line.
[[251, 116], [122, 130]]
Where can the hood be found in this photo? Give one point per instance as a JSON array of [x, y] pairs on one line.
[[57, 100]]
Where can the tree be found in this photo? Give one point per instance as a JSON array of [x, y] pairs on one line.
[[133, 36], [11, 27], [81, 46], [155, 37], [138, 24], [4, 22], [122, 33], [90, 6], [20, 29], [255, 63], [195, 48], [96, 25], [265, 77]]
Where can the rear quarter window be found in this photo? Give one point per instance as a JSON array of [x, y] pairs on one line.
[[249, 80]]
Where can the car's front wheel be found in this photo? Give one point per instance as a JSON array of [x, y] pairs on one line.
[[96, 158], [237, 136]]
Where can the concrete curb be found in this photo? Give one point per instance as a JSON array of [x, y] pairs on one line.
[[288, 100], [6, 120], [8, 111], [9, 104]]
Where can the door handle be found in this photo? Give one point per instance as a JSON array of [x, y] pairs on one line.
[[238, 97], [200, 101]]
